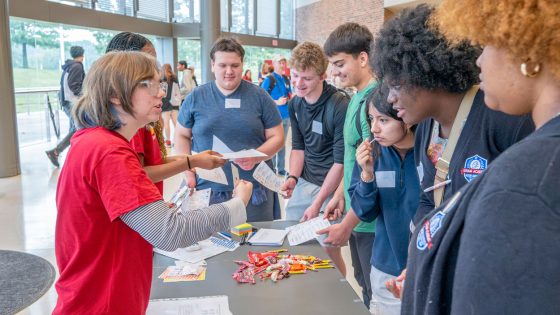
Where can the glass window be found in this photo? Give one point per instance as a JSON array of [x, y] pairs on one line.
[[186, 11], [124, 7], [242, 16], [266, 18], [189, 50], [224, 15], [287, 19], [76, 3], [153, 9]]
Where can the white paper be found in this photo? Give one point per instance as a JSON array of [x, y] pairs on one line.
[[266, 177], [179, 196], [268, 237], [216, 175], [234, 173], [242, 154], [305, 231], [219, 146], [198, 200], [207, 250], [207, 305]]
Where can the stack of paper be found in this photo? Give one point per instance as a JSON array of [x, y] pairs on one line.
[[184, 271], [268, 237], [211, 305], [204, 249]]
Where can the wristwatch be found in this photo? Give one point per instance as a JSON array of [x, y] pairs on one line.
[[292, 176]]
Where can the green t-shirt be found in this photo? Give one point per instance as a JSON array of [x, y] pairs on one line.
[[351, 136]]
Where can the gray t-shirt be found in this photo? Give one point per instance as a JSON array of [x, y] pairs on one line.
[[239, 120]]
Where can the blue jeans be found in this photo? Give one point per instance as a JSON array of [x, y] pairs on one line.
[[65, 142], [279, 160]]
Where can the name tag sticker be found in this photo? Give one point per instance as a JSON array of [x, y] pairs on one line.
[[233, 103], [317, 127], [385, 179]]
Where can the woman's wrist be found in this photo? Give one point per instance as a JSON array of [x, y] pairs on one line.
[[367, 177]]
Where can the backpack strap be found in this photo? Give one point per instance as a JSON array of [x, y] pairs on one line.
[[358, 120], [272, 83]]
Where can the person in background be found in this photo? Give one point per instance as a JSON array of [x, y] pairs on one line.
[[239, 114], [493, 244], [170, 104], [317, 117], [377, 195], [187, 80], [263, 73], [148, 142], [70, 90], [247, 76], [347, 49], [278, 86], [193, 75], [110, 214]]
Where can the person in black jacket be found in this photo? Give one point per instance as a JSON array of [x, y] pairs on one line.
[[70, 89], [317, 115], [493, 247]]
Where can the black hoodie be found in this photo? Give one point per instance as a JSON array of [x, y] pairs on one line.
[[75, 71], [317, 129]]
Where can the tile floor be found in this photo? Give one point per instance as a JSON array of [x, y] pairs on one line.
[[28, 215]]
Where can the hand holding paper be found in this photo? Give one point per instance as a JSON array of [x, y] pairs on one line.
[[266, 177]]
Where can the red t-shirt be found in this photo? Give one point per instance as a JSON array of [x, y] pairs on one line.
[[105, 266], [145, 142]]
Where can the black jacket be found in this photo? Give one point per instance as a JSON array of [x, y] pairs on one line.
[[73, 75], [485, 135]]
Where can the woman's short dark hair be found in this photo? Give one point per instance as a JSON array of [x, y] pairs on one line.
[[378, 100], [409, 52], [127, 41], [227, 44]]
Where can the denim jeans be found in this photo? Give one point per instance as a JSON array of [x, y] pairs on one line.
[[279, 160], [65, 142]]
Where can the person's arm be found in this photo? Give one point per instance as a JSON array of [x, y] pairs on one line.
[[274, 141], [174, 165], [296, 168], [183, 143], [329, 186], [335, 207], [168, 229]]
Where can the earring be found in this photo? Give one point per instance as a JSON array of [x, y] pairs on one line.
[[534, 71]]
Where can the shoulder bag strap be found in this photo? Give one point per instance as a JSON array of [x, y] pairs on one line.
[[442, 165]]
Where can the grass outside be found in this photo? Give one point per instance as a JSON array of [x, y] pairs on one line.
[[35, 78]]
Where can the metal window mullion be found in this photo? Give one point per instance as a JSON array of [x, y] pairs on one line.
[[229, 15], [191, 10], [278, 9], [170, 11], [255, 16]]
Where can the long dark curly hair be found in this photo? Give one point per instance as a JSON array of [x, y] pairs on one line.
[[409, 52]]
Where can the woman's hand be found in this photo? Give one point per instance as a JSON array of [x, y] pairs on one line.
[[207, 160], [364, 158], [243, 190]]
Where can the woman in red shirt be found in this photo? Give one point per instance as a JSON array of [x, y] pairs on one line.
[[110, 214]]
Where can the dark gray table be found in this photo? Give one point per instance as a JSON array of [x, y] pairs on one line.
[[322, 292]]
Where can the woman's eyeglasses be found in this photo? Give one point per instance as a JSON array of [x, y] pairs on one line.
[[154, 87]]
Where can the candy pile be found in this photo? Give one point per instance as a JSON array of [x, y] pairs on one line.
[[276, 266]]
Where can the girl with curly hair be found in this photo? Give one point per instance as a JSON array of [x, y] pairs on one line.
[[492, 248]]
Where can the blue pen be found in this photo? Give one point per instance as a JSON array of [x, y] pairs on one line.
[[225, 235]]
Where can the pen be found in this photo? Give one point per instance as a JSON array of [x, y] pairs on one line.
[[225, 235], [442, 184]]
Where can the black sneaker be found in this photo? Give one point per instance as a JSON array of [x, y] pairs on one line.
[[53, 157]]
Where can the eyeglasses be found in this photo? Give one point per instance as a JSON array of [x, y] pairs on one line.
[[153, 87]]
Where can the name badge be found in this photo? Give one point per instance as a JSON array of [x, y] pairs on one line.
[[385, 179], [233, 103], [317, 127]]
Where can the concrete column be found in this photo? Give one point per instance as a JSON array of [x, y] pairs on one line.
[[209, 33], [9, 152]]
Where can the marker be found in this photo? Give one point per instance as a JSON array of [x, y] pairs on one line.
[[225, 235], [442, 184]]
